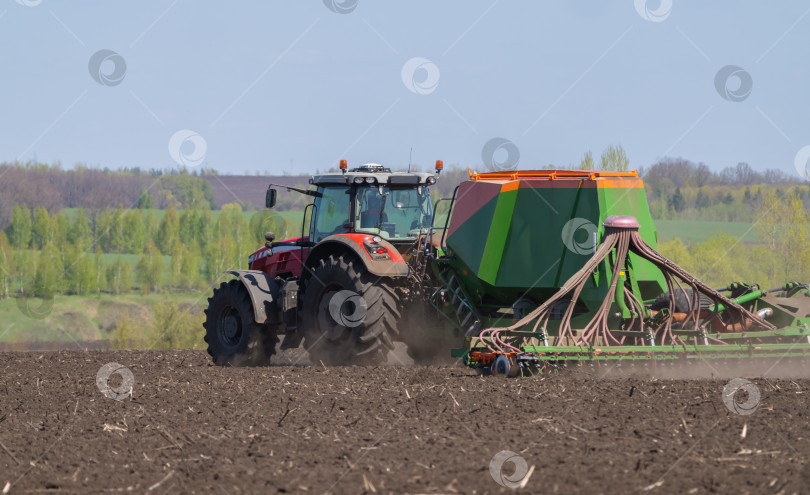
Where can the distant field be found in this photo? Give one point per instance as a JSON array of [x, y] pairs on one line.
[[81, 318], [699, 231]]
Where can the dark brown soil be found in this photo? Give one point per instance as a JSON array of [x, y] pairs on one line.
[[191, 427]]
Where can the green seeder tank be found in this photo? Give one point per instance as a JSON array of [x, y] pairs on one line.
[[523, 234], [563, 265]]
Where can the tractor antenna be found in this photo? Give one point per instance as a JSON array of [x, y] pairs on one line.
[[410, 157]]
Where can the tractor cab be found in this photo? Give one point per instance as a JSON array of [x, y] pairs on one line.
[[366, 208], [371, 199]]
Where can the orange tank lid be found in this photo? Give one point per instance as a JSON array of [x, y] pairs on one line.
[[550, 174]]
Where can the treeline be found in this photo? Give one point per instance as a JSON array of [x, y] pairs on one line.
[[53, 188], [682, 190], [676, 188], [44, 254], [783, 256]]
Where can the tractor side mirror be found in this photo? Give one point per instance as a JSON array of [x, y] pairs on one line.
[[270, 198]]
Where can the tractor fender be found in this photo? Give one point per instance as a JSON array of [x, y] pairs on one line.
[[340, 243], [263, 291]]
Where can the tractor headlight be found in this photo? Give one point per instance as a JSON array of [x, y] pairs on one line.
[[370, 180], [358, 180], [431, 180]]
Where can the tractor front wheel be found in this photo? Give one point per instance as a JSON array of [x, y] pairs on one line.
[[349, 315], [233, 336]]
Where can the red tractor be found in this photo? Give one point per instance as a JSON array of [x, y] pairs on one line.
[[342, 288]]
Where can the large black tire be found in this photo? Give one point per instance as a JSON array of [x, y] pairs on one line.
[[234, 338], [348, 334]]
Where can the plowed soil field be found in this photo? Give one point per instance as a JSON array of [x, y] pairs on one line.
[[174, 423]]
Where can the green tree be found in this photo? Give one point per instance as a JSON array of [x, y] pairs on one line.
[[169, 231], [150, 269], [20, 228], [7, 266], [176, 265], [104, 223], [587, 161], [127, 334], [676, 202], [176, 326], [787, 232], [119, 276], [61, 225], [205, 229], [151, 225], [718, 260], [134, 232], [79, 233], [41, 229], [190, 268], [80, 271], [26, 262], [677, 252], [49, 271], [614, 158], [702, 200], [145, 200], [219, 256], [116, 232]]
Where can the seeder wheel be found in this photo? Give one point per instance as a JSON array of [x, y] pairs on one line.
[[506, 365]]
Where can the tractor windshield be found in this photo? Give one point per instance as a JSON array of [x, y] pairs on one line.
[[333, 212], [393, 213]]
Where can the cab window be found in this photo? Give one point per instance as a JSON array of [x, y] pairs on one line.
[[333, 212]]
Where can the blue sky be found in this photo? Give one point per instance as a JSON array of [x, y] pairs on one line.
[[295, 86]]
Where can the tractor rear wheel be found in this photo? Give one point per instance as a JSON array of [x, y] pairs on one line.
[[349, 315], [234, 338]]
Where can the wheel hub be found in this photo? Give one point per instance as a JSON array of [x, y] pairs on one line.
[[230, 330]]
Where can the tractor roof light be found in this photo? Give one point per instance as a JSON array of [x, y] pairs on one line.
[[370, 180], [431, 180], [343, 166], [358, 180], [439, 166]]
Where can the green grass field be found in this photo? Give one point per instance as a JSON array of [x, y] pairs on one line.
[[698, 231], [81, 318]]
